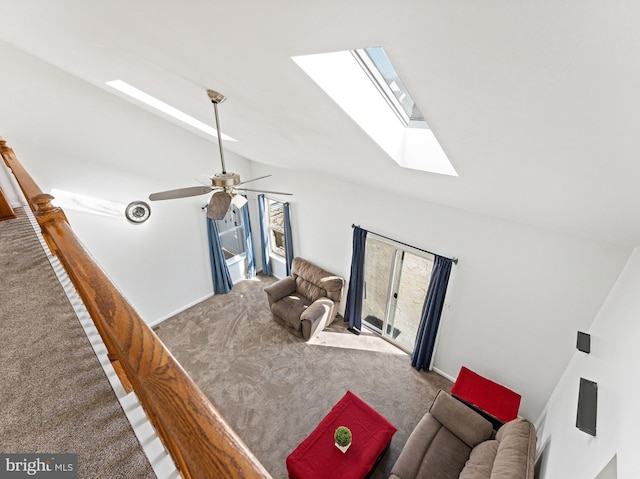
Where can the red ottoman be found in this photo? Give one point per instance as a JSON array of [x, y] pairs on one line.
[[318, 457], [496, 400]]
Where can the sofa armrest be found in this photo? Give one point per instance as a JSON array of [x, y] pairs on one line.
[[316, 316], [517, 449], [280, 289]]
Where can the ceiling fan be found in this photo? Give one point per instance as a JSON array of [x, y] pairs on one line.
[[225, 184]]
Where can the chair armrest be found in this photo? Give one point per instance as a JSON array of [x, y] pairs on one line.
[[316, 316], [280, 289]]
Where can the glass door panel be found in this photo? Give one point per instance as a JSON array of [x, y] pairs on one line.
[[377, 272], [396, 283], [410, 290]]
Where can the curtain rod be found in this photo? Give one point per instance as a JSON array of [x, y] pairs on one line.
[[453, 260]]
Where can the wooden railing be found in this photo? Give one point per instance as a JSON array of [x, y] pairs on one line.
[[6, 212], [198, 438]]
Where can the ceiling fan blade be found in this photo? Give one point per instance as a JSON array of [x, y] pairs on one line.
[[218, 205], [263, 191], [180, 193], [253, 179]]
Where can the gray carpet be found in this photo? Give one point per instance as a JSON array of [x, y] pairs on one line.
[[274, 388], [54, 394]]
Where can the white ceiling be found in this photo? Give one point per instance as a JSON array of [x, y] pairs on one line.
[[535, 103]]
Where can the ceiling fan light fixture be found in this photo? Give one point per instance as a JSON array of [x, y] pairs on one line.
[[239, 201], [218, 205]]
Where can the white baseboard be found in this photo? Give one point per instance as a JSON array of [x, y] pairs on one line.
[[170, 315], [442, 373]]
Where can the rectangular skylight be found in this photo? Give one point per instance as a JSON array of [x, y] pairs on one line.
[[379, 68], [163, 107], [365, 85]]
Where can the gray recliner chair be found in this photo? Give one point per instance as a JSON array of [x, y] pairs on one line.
[[307, 301]]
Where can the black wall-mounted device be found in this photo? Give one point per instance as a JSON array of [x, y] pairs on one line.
[[587, 406], [584, 342]]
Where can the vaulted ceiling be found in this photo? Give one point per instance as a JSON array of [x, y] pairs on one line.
[[535, 103]]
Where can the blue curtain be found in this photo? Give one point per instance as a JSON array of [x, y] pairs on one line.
[[431, 312], [219, 272], [353, 307], [248, 241], [264, 236], [288, 239]]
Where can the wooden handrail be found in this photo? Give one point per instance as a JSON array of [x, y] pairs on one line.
[[200, 441]]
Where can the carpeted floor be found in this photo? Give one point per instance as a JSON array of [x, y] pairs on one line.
[[274, 388], [54, 395]]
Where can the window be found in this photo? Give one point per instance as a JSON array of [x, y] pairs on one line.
[[231, 233], [276, 227]]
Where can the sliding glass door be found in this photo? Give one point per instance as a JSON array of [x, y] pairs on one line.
[[396, 282]]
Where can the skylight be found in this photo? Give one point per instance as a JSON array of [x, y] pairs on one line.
[[365, 85], [380, 70], [165, 108]]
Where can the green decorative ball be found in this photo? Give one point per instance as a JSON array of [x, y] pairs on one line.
[[342, 436]]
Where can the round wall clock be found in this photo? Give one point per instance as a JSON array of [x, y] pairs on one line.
[[137, 212]]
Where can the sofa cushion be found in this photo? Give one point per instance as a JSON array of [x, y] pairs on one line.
[[516, 451], [431, 451], [462, 421], [290, 308], [330, 283], [308, 289], [480, 463]]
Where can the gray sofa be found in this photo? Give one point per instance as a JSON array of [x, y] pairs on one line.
[[453, 441], [307, 301]]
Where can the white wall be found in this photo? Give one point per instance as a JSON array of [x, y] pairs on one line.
[[74, 137], [516, 298], [9, 188], [612, 363]]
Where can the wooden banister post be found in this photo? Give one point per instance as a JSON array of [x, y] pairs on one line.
[[6, 211]]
